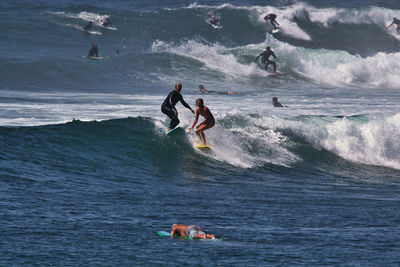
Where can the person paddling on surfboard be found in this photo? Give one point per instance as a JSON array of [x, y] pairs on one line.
[[168, 106], [205, 91], [397, 22], [190, 231], [271, 17], [265, 58], [94, 51], [208, 123]]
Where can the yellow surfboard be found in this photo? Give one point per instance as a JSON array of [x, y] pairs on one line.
[[203, 147]]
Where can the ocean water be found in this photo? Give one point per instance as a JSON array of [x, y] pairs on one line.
[[88, 176]]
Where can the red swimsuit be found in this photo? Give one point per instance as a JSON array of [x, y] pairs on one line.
[[206, 113]]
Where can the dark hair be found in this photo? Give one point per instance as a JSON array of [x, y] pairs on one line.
[[201, 102], [274, 98], [178, 86], [268, 47]]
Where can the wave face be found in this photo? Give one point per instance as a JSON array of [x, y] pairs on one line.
[[242, 141]]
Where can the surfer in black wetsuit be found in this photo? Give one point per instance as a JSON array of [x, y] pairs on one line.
[[397, 22], [88, 26], [94, 51], [106, 23], [271, 17], [265, 58], [275, 102], [168, 106]]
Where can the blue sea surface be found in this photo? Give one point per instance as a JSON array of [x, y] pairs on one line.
[[88, 175]]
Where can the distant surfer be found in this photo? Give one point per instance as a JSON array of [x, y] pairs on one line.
[[94, 51], [213, 21], [275, 103], [190, 231], [88, 26], [265, 58], [397, 22], [205, 91], [271, 17], [107, 22], [168, 106], [208, 123]]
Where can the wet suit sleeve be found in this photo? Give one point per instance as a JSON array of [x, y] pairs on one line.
[[183, 102], [273, 54]]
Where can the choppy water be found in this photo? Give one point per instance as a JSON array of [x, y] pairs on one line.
[[88, 176]]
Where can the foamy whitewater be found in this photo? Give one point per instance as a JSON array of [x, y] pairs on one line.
[[88, 175]]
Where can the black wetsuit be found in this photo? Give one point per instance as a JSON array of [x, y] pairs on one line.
[[397, 22], [277, 104], [168, 107], [271, 18], [94, 51], [265, 59]]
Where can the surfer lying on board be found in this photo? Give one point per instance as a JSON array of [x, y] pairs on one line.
[[271, 17], [204, 125], [168, 106], [190, 231], [88, 26], [397, 22], [265, 58], [205, 91], [94, 51]]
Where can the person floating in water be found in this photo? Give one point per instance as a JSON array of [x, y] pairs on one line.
[[213, 21], [205, 91], [168, 106], [94, 51], [265, 58], [275, 102], [208, 123], [397, 22], [88, 26], [271, 17], [190, 231], [107, 22]]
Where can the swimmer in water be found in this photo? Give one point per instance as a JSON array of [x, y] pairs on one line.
[[275, 102], [190, 231]]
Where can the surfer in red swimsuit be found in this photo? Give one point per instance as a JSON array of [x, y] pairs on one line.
[[204, 125]]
